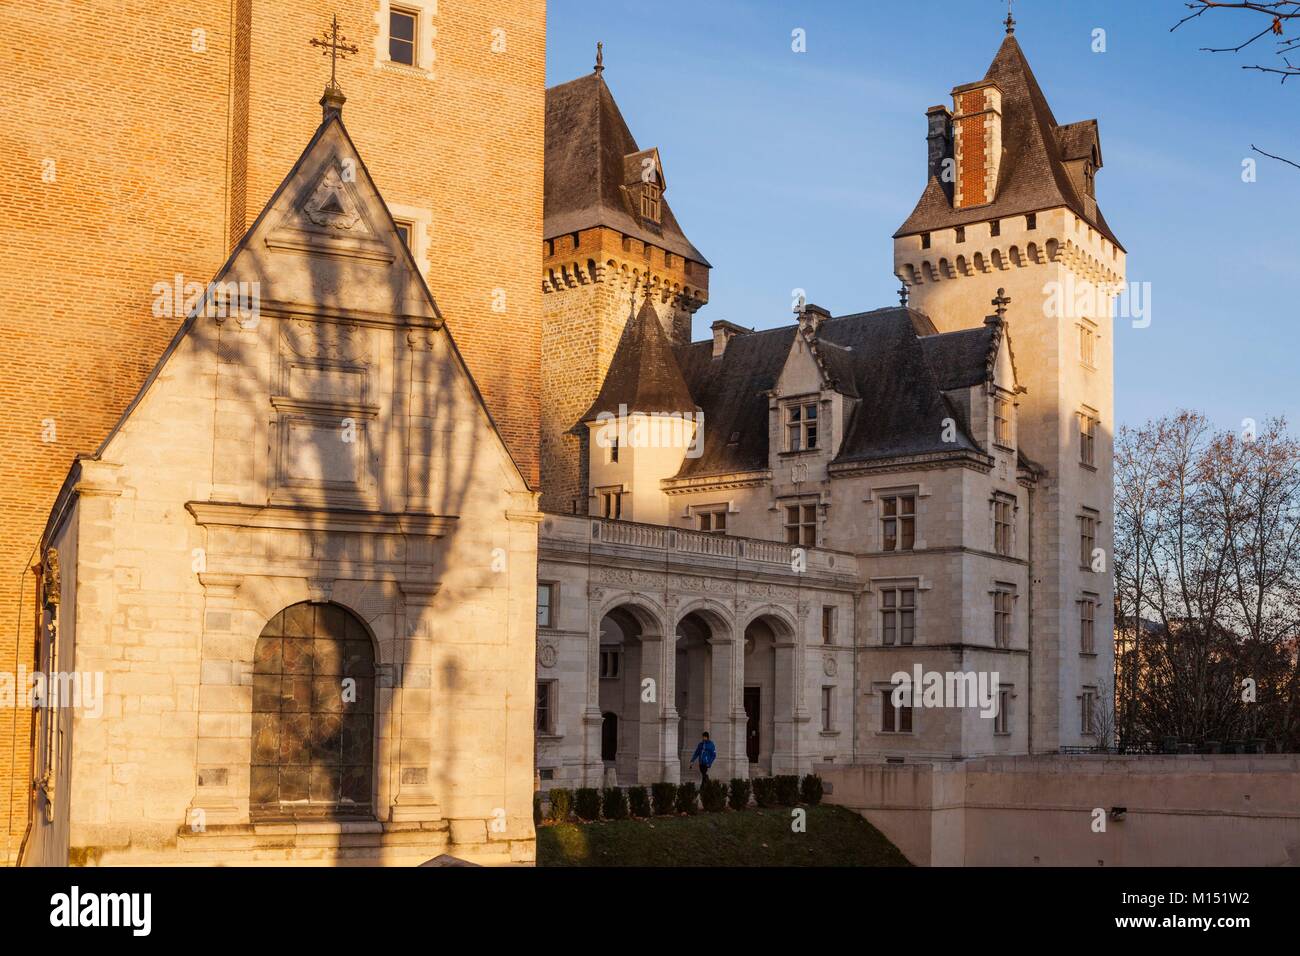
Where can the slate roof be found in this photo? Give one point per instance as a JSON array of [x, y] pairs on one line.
[[1033, 174], [959, 359], [587, 142], [643, 375], [885, 358]]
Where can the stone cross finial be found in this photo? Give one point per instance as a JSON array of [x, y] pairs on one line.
[[1010, 21], [1000, 304], [903, 294]]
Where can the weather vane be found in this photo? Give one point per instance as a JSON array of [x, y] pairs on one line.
[[1011, 22], [333, 44], [600, 58]]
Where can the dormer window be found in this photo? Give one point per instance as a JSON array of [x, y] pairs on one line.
[[650, 202], [801, 426], [1002, 420]]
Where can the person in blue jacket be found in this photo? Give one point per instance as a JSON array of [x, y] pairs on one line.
[[705, 752]]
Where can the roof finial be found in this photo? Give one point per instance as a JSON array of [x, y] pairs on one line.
[[1011, 21], [333, 44], [1000, 304], [600, 58], [903, 293]]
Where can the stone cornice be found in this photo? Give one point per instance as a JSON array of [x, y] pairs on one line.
[[310, 518], [740, 479]]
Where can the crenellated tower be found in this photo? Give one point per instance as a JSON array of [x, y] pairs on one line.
[[1010, 203], [609, 234]]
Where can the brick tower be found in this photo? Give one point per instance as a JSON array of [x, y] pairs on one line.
[[1010, 205], [149, 156], [608, 232]]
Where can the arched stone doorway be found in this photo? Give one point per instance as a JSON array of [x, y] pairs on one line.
[[769, 694], [694, 696], [313, 727], [619, 701]]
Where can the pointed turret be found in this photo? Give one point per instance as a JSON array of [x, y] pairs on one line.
[[644, 376]]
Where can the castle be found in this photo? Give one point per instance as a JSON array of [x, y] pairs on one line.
[[300, 542]]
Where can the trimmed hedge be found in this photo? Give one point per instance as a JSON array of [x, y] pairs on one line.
[[686, 798], [713, 795], [665, 798], [739, 793], [537, 807], [638, 799], [787, 790], [614, 803], [561, 804], [765, 791], [811, 789], [586, 803]]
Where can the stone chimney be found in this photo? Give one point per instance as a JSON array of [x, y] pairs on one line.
[[977, 142], [812, 317], [939, 138], [724, 332]]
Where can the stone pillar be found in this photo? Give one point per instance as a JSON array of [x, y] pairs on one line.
[[657, 758], [785, 746], [727, 711], [405, 738], [593, 768]]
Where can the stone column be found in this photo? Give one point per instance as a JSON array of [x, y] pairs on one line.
[[405, 732], [593, 767], [657, 758], [727, 711], [785, 717]]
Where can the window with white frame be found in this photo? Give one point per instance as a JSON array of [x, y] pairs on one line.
[[898, 615], [894, 719], [1004, 510], [1003, 602], [611, 663], [801, 426], [405, 230], [897, 522], [711, 519], [801, 524], [546, 605], [1088, 624], [403, 27], [1088, 437]]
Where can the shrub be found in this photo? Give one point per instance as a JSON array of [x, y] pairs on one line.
[[787, 790], [639, 799], [765, 791], [739, 793], [811, 789], [537, 807], [686, 798], [586, 803], [713, 796], [561, 804], [665, 797], [614, 804]]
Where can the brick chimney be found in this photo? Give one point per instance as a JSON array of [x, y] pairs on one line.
[[977, 142]]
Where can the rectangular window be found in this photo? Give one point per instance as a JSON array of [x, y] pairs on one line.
[[828, 624], [545, 707], [1088, 624], [401, 36], [546, 605], [1087, 540], [1088, 438], [801, 426], [612, 452], [712, 520], [1002, 420], [801, 525], [1002, 603], [1003, 525], [1087, 346], [1031, 221], [898, 522], [894, 720], [611, 663], [898, 616], [1002, 722], [961, 233], [925, 240], [404, 229], [828, 708], [1088, 710], [995, 228], [650, 202], [611, 504]]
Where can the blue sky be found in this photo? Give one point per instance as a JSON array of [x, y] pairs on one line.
[[793, 170]]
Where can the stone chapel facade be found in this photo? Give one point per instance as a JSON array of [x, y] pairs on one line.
[[752, 534]]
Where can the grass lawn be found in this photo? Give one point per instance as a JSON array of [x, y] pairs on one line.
[[835, 837]]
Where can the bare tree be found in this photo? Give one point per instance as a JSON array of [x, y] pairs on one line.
[[1278, 15]]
